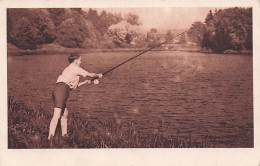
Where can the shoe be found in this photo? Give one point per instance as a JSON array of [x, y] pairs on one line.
[[50, 137], [65, 136]]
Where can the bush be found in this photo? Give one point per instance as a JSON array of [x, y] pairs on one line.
[[125, 45], [109, 45], [153, 43], [140, 44]]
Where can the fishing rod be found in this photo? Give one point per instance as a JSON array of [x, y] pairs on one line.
[[113, 68]]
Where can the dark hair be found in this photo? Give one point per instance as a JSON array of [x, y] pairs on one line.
[[73, 56]]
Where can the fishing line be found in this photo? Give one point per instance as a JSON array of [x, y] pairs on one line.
[[113, 68]]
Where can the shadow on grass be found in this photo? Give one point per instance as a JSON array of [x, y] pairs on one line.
[[28, 129]]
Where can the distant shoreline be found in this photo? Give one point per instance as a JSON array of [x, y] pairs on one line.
[[48, 49]]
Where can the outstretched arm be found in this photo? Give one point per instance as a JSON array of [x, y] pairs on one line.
[[95, 75], [84, 73]]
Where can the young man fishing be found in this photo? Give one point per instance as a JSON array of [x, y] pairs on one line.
[[67, 81]]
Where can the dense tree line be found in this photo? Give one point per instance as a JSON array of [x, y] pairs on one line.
[[73, 28], [77, 28], [224, 29]]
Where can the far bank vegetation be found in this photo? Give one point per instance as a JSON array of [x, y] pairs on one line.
[[60, 30]]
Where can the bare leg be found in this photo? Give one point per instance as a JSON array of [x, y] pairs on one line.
[[64, 122], [54, 121]]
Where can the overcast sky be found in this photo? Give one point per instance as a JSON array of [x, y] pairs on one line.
[[165, 18]]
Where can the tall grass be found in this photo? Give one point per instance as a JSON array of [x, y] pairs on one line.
[[28, 128]]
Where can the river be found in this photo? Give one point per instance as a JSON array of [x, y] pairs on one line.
[[186, 93]]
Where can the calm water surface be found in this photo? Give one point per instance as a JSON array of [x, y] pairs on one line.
[[201, 95]]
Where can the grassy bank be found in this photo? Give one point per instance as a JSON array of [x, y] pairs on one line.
[[28, 128], [57, 49]]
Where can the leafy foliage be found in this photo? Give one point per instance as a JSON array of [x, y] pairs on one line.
[[169, 36], [75, 32], [58, 15], [183, 39], [196, 31], [24, 35], [228, 29], [133, 19], [13, 15], [209, 17], [152, 37], [68, 37], [77, 28], [103, 21], [41, 21], [126, 35], [26, 28], [72, 28]]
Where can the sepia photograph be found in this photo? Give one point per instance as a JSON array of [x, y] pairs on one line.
[[114, 78], [136, 78]]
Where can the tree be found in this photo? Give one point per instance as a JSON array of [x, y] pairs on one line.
[[133, 19], [58, 15], [29, 27], [40, 20], [77, 32], [103, 21], [169, 36], [78, 10], [209, 17], [248, 41], [228, 29], [97, 22], [23, 35], [108, 19], [196, 32], [152, 38], [183, 39], [72, 33], [13, 16]]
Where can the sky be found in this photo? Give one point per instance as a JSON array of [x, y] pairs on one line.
[[165, 17]]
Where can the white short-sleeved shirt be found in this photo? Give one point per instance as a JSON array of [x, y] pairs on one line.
[[71, 75]]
